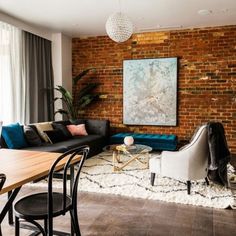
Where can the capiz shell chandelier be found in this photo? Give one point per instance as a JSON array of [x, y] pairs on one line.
[[119, 27]]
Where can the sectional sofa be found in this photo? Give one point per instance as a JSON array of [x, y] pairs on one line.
[[97, 138]]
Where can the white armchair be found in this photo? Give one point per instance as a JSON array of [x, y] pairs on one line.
[[189, 163]]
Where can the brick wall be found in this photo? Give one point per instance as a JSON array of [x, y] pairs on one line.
[[206, 81]]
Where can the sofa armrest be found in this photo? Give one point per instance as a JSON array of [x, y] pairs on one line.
[[100, 127], [3, 143]]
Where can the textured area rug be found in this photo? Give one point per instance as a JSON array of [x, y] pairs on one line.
[[97, 176], [134, 181]]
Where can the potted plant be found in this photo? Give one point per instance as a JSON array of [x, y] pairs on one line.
[[72, 104]]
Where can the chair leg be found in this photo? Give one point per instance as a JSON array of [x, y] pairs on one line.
[[75, 222], [0, 231], [46, 225], [188, 186], [17, 226], [39, 227], [207, 181], [152, 178]]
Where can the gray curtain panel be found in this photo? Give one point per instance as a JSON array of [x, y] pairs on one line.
[[37, 56]]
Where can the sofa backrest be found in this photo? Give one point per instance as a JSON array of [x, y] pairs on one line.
[[63, 122], [93, 126], [100, 127]]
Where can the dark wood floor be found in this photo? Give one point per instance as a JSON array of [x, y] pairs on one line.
[[109, 215]]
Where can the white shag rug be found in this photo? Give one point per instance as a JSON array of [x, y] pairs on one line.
[[134, 181]]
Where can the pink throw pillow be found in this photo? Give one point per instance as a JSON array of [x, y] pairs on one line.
[[77, 129]]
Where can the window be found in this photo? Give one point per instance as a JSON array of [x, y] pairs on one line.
[[11, 82]]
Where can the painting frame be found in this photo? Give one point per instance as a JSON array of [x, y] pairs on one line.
[[150, 91]]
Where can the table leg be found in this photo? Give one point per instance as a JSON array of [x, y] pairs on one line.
[[133, 157], [126, 163], [8, 206], [143, 152], [114, 160], [118, 156], [10, 211]]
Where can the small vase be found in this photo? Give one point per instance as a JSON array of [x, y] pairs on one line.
[[128, 140]]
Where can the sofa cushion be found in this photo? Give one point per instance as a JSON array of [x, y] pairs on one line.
[[63, 128], [55, 136], [48, 147], [31, 136], [77, 129], [95, 142], [41, 127], [14, 136], [80, 140]]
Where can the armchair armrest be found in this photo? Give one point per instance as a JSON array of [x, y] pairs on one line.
[[175, 164]]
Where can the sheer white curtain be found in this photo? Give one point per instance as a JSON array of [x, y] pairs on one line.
[[12, 86]]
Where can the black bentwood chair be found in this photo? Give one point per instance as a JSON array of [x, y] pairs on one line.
[[2, 181], [47, 205]]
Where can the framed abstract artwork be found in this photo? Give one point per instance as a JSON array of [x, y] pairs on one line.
[[150, 92]]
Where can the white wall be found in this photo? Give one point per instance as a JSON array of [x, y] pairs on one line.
[[62, 65], [56, 58], [66, 62], [57, 69]]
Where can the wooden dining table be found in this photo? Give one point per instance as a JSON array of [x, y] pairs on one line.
[[22, 167]]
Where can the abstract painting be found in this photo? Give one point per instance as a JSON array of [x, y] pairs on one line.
[[150, 92]]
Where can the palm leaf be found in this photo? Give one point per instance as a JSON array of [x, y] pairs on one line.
[[61, 111], [65, 93], [56, 98], [87, 99], [83, 98], [87, 89], [82, 74], [67, 100]]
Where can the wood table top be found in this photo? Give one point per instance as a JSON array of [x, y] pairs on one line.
[[21, 166]]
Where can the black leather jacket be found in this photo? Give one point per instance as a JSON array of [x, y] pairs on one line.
[[219, 153]]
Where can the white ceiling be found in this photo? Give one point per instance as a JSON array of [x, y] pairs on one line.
[[88, 17]]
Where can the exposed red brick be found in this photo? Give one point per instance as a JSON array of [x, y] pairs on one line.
[[206, 82]]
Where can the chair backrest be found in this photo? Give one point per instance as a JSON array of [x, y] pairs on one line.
[[199, 154], [69, 156], [196, 136]]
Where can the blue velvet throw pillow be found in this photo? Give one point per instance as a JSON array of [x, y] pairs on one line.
[[14, 136]]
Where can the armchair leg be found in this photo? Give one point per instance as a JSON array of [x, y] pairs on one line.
[[207, 181], [188, 186], [152, 178]]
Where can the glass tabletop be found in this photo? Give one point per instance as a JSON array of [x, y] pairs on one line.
[[136, 148]]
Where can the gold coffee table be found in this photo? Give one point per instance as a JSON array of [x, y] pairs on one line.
[[137, 152]]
